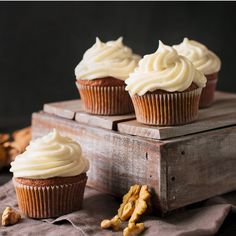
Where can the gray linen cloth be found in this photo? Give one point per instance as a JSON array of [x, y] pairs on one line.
[[200, 219]]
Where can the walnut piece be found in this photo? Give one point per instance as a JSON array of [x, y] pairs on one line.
[[3, 154], [21, 141], [10, 217], [133, 229], [128, 210], [9, 149], [114, 223], [4, 138], [134, 204], [140, 204], [127, 207]]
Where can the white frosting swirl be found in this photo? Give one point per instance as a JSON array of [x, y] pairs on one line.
[[164, 70], [111, 59], [203, 59], [50, 156]]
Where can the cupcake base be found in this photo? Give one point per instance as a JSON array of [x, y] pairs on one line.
[[167, 109], [105, 100], [47, 198], [207, 96]]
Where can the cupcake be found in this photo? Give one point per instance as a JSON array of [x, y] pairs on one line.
[[100, 78], [165, 88], [205, 61], [50, 176]]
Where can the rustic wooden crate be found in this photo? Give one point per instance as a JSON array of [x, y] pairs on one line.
[[182, 164]]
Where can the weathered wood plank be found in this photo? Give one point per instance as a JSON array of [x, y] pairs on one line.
[[73, 109], [65, 109], [200, 166], [117, 161], [221, 114], [106, 122]]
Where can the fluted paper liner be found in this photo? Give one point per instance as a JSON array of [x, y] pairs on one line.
[[105, 100], [165, 109], [50, 201], [208, 92]]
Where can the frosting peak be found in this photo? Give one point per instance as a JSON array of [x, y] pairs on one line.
[[164, 70], [169, 56], [110, 59], [50, 156], [203, 59]]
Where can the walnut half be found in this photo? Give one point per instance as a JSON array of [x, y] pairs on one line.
[[134, 204], [10, 217]]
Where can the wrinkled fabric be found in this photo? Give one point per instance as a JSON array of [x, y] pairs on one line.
[[204, 218]]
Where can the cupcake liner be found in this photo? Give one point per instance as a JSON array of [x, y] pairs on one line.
[[165, 109], [50, 201], [105, 100], [207, 96]]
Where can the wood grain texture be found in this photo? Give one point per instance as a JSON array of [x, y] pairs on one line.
[[200, 166], [221, 114], [106, 122], [66, 109], [116, 161]]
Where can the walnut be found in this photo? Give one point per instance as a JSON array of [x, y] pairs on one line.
[[11, 147], [140, 204], [21, 141], [134, 204], [140, 208], [128, 210], [133, 229], [4, 138], [144, 193], [127, 207], [10, 217], [114, 223], [3, 154]]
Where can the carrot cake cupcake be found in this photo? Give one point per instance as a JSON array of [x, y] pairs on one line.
[[204, 60], [165, 88], [100, 78], [50, 176]]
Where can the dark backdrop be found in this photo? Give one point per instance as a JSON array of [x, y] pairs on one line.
[[41, 43]]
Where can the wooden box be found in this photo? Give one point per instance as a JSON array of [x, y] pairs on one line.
[[182, 164]]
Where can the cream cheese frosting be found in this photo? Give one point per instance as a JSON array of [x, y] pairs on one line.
[[203, 59], [110, 59], [165, 70], [50, 156]]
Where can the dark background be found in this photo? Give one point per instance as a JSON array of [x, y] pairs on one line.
[[41, 43]]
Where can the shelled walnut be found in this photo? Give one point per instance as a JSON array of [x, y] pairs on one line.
[[21, 139], [134, 204], [127, 207], [10, 217], [140, 204], [10, 147], [3, 154]]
